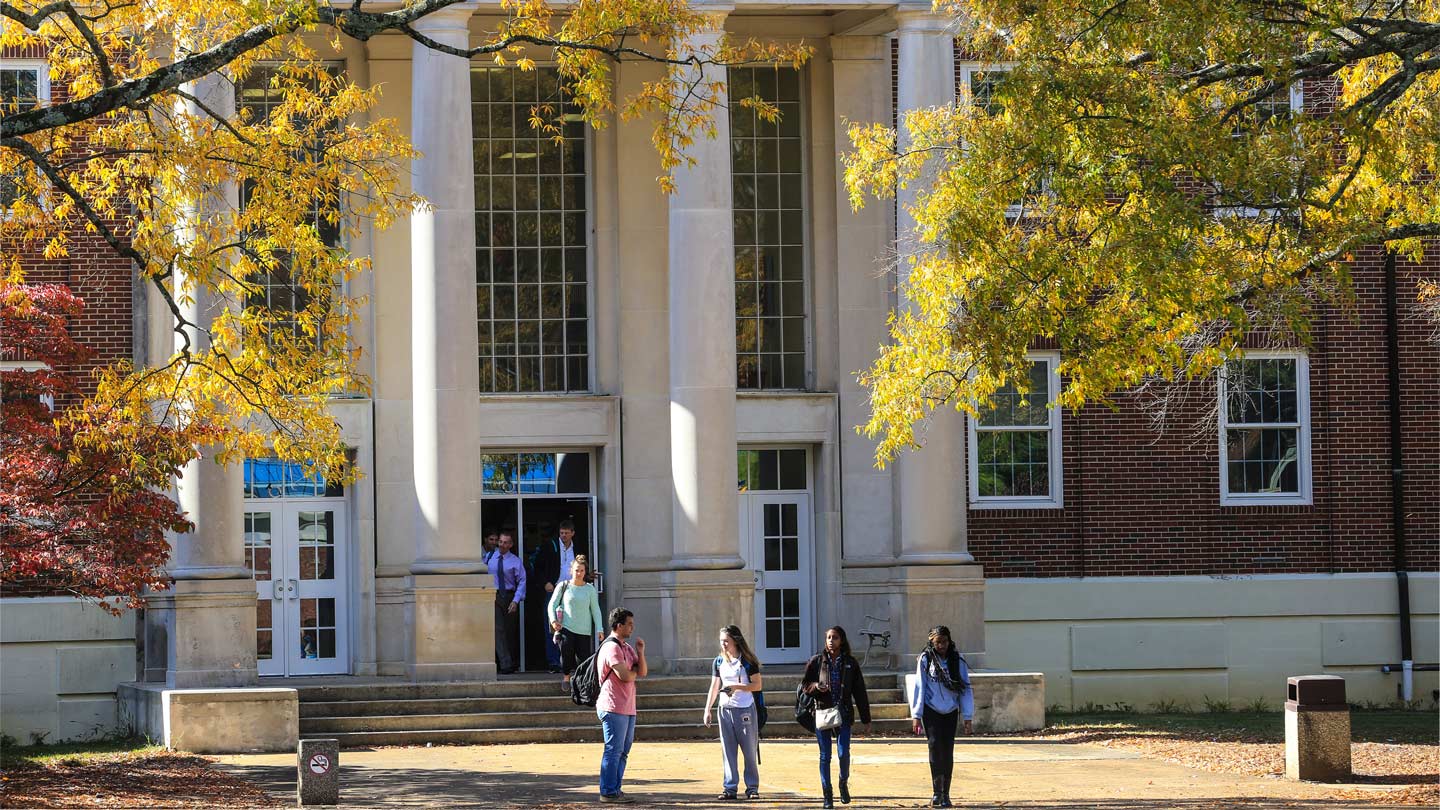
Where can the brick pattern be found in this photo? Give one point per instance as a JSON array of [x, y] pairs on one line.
[[92, 270]]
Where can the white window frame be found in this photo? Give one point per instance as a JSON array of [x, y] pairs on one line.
[[41, 68], [1056, 498], [48, 400], [1302, 412], [1297, 108], [42, 98], [962, 94]]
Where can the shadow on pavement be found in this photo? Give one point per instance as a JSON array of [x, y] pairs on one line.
[[453, 788]]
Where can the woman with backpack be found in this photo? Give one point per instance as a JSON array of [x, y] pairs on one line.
[[574, 612], [833, 679], [941, 695], [735, 677]]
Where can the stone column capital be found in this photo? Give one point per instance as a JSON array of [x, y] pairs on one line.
[[922, 18], [449, 18]]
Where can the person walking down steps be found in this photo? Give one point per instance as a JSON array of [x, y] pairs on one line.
[[940, 696]]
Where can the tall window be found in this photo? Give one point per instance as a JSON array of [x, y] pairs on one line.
[[24, 84], [768, 175], [259, 95], [1265, 430], [1015, 444], [531, 267]]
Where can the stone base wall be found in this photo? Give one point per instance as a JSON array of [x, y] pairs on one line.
[[1146, 641], [213, 721], [60, 661]]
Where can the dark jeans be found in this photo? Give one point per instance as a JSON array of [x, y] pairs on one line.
[[507, 632], [574, 648], [841, 737], [940, 736]]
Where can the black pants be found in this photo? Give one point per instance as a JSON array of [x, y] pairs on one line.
[[940, 736], [507, 632], [574, 648]]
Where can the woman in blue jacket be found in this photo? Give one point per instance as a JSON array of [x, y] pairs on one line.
[[943, 696]]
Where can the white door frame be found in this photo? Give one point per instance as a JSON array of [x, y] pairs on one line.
[[801, 578], [288, 586]]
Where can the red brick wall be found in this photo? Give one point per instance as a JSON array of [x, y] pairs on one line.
[[92, 270], [1142, 502]]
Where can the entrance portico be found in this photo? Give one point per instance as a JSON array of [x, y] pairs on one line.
[[552, 300]]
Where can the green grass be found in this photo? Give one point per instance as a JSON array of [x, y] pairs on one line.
[[1413, 727], [17, 756]]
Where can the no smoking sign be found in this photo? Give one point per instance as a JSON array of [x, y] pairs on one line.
[[320, 764]]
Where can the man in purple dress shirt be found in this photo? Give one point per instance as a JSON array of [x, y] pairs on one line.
[[509, 575]]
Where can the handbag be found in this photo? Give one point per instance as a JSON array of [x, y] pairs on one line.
[[559, 637], [827, 719]]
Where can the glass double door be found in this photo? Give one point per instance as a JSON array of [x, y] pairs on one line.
[[780, 553], [298, 555], [533, 521]]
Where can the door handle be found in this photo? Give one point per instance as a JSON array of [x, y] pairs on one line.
[[291, 588], [277, 589], [759, 580]]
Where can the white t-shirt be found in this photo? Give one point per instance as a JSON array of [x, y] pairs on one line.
[[732, 673]]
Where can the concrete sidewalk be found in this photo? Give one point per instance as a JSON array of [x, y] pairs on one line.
[[989, 771]]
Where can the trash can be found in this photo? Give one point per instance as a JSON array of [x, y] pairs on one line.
[[1317, 729]]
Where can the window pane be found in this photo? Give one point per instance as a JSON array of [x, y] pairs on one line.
[[768, 176], [539, 305], [792, 469], [1263, 460]]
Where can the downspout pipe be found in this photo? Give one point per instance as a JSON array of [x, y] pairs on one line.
[[1397, 479]]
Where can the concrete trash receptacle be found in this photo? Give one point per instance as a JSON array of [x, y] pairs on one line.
[[318, 773], [1317, 729]]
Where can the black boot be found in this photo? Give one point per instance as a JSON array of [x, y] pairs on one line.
[[829, 797], [935, 787], [945, 792], [844, 791]]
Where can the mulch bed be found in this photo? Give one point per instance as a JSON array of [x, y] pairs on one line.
[[145, 779]]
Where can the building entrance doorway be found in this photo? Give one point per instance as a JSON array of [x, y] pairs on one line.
[[778, 544], [530, 495], [297, 548]]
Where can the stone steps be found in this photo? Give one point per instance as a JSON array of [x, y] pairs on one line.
[[316, 726], [779, 728], [524, 711]]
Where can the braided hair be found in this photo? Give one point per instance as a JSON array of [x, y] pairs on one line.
[[931, 657]]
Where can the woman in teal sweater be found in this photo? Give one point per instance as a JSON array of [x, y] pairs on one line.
[[575, 616]]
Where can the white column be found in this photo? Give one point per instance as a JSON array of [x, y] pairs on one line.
[[211, 494], [702, 344], [863, 245], [205, 622], [446, 376], [932, 492]]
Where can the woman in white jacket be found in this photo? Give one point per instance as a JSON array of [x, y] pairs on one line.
[[941, 697]]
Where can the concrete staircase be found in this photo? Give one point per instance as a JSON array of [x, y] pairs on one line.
[[536, 711]]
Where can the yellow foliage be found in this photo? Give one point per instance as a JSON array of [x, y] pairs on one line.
[[1129, 201]]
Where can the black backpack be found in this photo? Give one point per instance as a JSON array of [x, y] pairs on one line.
[[585, 683]]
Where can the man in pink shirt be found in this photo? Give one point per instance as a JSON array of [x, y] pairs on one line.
[[618, 665]]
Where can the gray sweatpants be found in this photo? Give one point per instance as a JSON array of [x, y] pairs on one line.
[[740, 729]]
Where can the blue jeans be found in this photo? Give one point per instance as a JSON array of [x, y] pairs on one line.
[[619, 732], [841, 736]]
